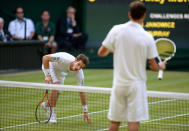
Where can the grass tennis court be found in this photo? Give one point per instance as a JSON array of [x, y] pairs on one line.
[[20, 111]]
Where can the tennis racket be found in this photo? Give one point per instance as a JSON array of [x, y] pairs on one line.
[[166, 50], [43, 110]]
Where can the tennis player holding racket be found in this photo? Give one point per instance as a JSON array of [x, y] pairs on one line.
[[132, 47], [55, 67]]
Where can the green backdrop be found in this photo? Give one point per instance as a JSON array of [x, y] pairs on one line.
[[101, 15], [98, 17]]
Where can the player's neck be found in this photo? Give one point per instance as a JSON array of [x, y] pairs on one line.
[[139, 21]]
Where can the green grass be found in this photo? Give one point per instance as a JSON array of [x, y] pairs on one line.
[[17, 106]]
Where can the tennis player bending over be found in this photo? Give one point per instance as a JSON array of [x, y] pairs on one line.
[[132, 46], [56, 67]]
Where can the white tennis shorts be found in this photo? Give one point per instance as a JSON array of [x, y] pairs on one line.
[[129, 103]]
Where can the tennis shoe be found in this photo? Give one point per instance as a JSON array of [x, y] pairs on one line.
[[53, 118]]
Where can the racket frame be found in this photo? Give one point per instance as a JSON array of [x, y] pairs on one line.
[[39, 104], [160, 73]]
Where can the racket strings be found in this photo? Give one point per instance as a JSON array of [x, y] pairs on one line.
[[165, 49], [43, 114]]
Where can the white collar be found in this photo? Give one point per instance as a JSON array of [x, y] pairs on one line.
[[21, 21], [135, 24]]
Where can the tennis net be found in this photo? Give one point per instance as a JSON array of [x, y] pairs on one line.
[[18, 101]]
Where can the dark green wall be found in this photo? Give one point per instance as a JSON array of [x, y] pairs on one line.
[[102, 15]]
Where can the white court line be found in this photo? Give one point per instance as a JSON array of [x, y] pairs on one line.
[[163, 118], [169, 124], [26, 124], [163, 101]]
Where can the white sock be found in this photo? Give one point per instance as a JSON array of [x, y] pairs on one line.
[[53, 110]]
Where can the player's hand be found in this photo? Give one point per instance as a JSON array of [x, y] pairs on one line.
[[162, 65], [48, 79], [86, 117]]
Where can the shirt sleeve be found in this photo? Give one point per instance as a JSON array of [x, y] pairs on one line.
[[11, 28], [152, 50], [56, 58], [30, 26], [109, 41]]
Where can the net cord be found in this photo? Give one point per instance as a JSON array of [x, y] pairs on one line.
[[89, 89]]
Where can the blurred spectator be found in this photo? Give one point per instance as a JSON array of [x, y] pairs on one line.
[[45, 31], [68, 33], [4, 34], [21, 28]]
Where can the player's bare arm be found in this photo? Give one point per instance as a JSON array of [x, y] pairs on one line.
[[46, 60], [80, 62], [103, 51], [156, 66], [85, 108]]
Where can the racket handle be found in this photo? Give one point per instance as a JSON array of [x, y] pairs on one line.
[[160, 74]]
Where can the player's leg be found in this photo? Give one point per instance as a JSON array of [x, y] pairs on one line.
[[114, 126], [55, 75], [133, 126], [54, 95], [52, 100]]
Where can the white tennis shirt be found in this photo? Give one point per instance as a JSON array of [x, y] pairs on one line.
[[132, 46], [18, 28], [60, 63]]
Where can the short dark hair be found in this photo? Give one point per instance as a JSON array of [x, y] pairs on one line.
[[15, 11], [70, 7], [45, 11], [137, 9], [83, 58]]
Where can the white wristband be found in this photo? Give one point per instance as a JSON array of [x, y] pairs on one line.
[[85, 108], [47, 72]]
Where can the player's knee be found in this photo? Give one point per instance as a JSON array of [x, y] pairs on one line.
[[114, 126]]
